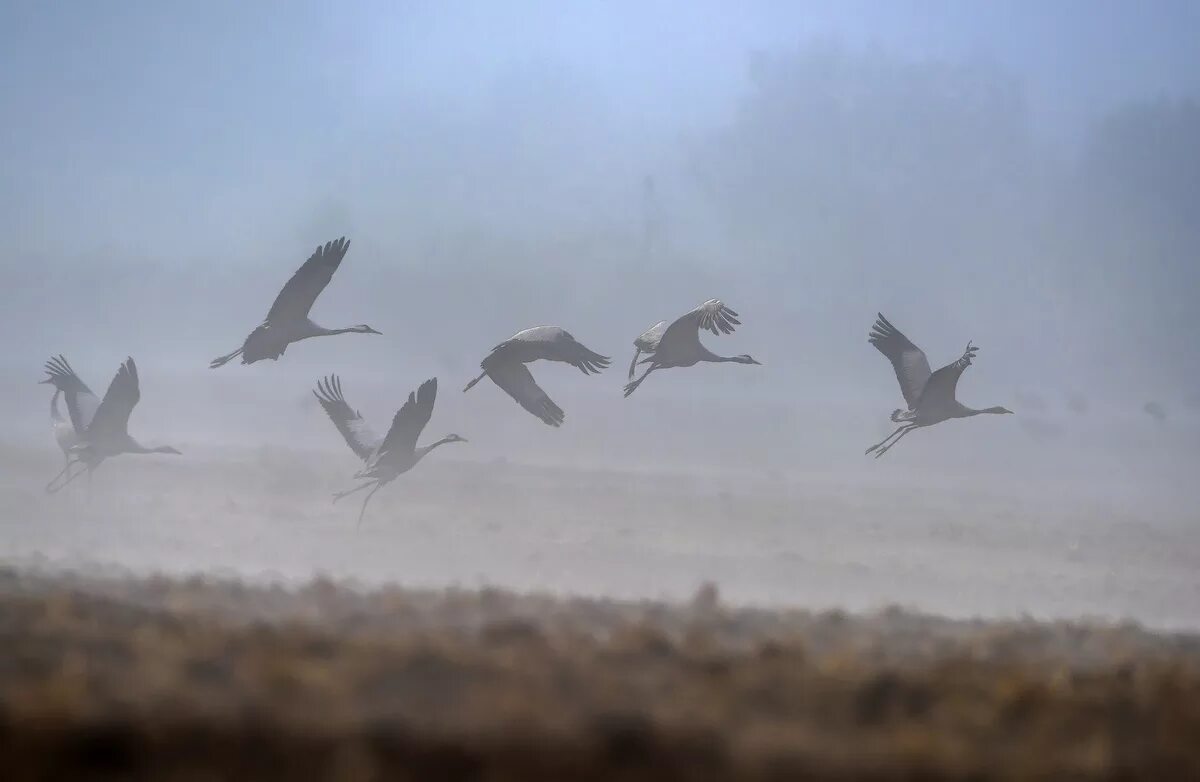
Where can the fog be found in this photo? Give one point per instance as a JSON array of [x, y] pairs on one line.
[[1022, 176]]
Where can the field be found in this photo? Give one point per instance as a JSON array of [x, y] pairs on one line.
[[168, 626]]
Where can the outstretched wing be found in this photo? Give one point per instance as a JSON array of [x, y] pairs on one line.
[[581, 357], [518, 383], [409, 421], [912, 368], [112, 417], [684, 333], [298, 295], [81, 402], [349, 422], [939, 391]]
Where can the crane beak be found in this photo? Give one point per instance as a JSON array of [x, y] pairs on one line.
[[44, 382]]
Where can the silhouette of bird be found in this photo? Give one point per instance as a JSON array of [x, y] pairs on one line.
[[505, 365], [386, 457], [678, 345], [288, 321], [930, 395], [101, 428], [1156, 411]]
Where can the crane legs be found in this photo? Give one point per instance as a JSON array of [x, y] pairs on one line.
[[51, 488], [225, 359], [339, 494], [631, 387], [363, 510], [901, 430], [372, 485]]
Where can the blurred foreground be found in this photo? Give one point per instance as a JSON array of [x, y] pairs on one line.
[[170, 680]]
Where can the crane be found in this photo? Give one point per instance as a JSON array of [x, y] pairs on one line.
[[386, 458], [288, 321], [100, 426], [930, 395], [505, 365], [678, 345]]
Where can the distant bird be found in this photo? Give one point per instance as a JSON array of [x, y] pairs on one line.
[[288, 320], [678, 345], [930, 395], [101, 427], [1155, 411], [505, 365], [386, 457]]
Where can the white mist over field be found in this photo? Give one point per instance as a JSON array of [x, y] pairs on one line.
[[1025, 178]]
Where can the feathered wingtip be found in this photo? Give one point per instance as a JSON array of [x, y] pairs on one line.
[[593, 363], [60, 374], [329, 389], [883, 329]]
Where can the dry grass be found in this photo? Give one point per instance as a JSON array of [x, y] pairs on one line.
[[173, 680]]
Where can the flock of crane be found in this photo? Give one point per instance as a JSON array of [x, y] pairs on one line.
[[97, 429]]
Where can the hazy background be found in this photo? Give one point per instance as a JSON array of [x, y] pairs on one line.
[[1024, 175]]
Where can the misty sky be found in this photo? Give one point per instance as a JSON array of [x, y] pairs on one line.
[[976, 170]]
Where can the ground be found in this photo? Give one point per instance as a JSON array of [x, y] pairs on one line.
[[446, 644]]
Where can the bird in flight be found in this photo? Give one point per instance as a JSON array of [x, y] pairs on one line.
[[288, 321], [930, 395], [505, 365], [678, 345], [101, 426], [386, 458]]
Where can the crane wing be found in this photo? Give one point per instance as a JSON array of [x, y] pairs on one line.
[[349, 422], [684, 333], [582, 358], [939, 391], [409, 421], [81, 401], [112, 417], [647, 342], [299, 293], [518, 383], [909, 361]]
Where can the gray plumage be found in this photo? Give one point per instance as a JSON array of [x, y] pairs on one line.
[[287, 321], [930, 395], [505, 365], [388, 457], [101, 429], [678, 344]]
